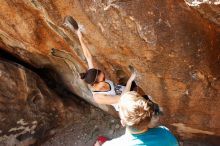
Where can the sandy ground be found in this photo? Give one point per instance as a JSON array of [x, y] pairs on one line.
[[85, 131]]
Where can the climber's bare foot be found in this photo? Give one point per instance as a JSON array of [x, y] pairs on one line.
[[59, 53], [70, 23]]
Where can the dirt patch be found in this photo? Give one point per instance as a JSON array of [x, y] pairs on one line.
[[85, 131]]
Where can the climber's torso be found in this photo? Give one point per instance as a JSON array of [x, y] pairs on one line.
[[112, 90], [101, 87], [108, 88]]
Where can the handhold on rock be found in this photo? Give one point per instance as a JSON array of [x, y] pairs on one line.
[[132, 69], [70, 23]]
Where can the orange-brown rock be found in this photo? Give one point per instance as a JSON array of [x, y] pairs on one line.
[[173, 45]]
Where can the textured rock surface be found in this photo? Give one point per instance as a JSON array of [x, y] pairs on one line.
[[30, 112], [174, 48], [209, 9], [28, 109], [29, 29]]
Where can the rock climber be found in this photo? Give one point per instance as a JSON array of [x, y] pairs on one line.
[[104, 90]]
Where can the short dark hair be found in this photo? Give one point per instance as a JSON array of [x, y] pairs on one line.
[[90, 76]]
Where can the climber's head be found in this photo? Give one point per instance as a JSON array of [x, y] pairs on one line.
[[93, 76], [135, 111]]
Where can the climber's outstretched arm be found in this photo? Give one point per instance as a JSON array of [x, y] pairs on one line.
[[85, 50], [106, 99], [129, 82]]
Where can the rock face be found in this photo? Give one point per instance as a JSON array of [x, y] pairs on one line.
[[209, 9], [28, 109], [173, 46], [30, 112]]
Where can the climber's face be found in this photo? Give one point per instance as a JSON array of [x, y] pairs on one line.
[[101, 77]]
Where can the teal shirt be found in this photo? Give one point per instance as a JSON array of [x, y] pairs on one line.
[[160, 136]]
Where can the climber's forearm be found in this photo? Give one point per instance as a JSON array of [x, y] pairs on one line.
[[129, 83], [85, 48], [127, 87], [87, 54], [106, 99]]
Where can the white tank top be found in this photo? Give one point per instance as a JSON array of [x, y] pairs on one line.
[[114, 90]]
